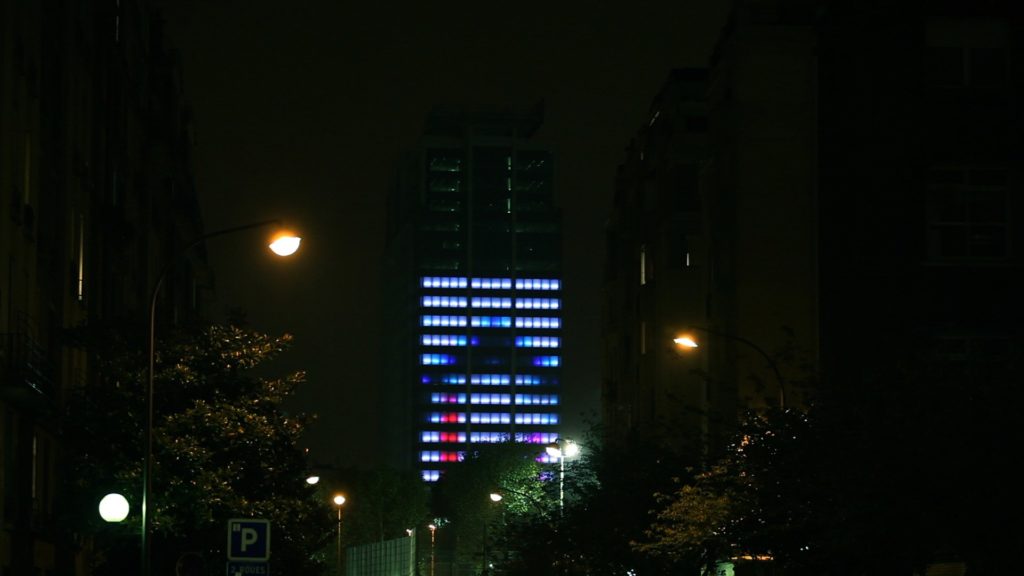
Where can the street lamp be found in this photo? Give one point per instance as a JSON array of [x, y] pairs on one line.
[[687, 341], [339, 500], [433, 529], [113, 507], [562, 449], [284, 244]]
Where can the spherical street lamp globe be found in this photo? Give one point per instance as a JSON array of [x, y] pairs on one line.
[[114, 507]]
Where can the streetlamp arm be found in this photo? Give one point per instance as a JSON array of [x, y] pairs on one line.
[[768, 359], [147, 467]]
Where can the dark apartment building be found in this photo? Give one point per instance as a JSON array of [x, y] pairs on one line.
[[475, 292], [95, 193], [853, 236]]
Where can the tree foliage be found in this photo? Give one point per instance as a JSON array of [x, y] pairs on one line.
[[224, 447]]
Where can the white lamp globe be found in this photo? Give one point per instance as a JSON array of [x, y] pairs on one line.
[[114, 508]]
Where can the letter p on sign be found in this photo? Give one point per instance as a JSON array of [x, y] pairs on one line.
[[248, 539]]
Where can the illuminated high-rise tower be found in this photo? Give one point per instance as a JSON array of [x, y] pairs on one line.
[[475, 260]]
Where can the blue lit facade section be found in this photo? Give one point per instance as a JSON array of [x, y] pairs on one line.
[[538, 342], [486, 341], [437, 359], [445, 321], [492, 321]]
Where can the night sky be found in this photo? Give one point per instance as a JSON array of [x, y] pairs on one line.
[[302, 108]]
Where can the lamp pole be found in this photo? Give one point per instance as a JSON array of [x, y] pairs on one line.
[[147, 466], [561, 449], [339, 500], [689, 343], [433, 528]]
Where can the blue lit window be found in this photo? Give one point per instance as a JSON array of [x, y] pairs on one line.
[[490, 399], [538, 303], [443, 340], [447, 398], [491, 302], [538, 342], [547, 458], [491, 283], [436, 359], [490, 379], [443, 301], [443, 282], [535, 418], [536, 437], [491, 418], [436, 436], [492, 321], [537, 284], [459, 321], [440, 456], [536, 399], [447, 417], [538, 322], [529, 380], [430, 475], [548, 361], [488, 437]]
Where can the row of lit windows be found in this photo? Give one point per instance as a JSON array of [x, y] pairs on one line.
[[490, 283], [439, 456], [491, 418], [520, 303], [445, 340], [438, 437], [491, 321], [460, 340], [503, 399], [430, 475], [448, 360], [538, 342], [489, 379]]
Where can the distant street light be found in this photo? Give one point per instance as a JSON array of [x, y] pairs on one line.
[[287, 242], [114, 507], [313, 480], [339, 501], [433, 529], [687, 341], [562, 449]]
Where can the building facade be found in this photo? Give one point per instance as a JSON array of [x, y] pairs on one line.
[[97, 192], [474, 263], [860, 222]]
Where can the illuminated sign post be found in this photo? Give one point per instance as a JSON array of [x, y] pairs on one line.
[[248, 547]]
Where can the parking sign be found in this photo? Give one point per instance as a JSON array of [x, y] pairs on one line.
[[248, 539]]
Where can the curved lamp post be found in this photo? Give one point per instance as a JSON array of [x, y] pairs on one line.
[[284, 244], [562, 449], [687, 341]]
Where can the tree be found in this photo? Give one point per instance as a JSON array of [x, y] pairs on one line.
[[223, 445], [478, 523], [765, 499]]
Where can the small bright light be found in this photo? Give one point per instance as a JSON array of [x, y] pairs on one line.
[[312, 480], [285, 244], [113, 508], [339, 499], [686, 342], [408, 531], [495, 497], [432, 527], [572, 449], [553, 450]]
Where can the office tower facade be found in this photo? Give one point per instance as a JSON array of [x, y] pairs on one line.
[[475, 255]]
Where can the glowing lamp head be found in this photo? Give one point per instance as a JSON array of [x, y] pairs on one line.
[[495, 497], [285, 244], [339, 499], [113, 508], [312, 480], [571, 449], [686, 342]]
